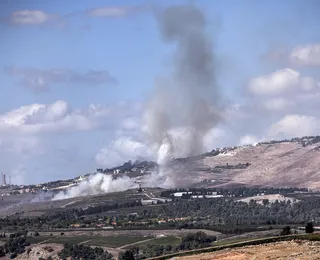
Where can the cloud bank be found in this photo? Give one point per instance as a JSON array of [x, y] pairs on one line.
[[40, 80]]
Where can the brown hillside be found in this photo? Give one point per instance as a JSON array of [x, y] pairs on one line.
[[278, 165]]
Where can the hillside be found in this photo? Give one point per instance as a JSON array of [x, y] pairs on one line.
[[304, 250], [278, 165], [284, 163]]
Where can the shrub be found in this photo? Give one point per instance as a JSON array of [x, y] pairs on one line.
[[309, 228]]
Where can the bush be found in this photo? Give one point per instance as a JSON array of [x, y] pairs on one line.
[[84, 252], [309, 228], [48, 248], [13, 255], [286, 231], [127, 255]]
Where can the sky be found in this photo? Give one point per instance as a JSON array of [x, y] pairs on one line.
[[75, 77]]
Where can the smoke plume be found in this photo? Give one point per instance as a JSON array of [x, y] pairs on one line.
[[188, 99], [183, 107], [96, 184]]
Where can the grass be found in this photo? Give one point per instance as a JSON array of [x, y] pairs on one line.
[[70, 240], [231, 241], [112, 241], [36, 240], [115, 241], [170, 240]]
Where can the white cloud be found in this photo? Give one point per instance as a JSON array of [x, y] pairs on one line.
[[277, 103], [281, 90], [248, 139], [301, 56], [131, 123], [307, 55], [274, 83], [109, 11], [34, 136], [114, 11], [18, 175], [40, 80], [281, 82], [294, 126], [30, 17], [52, 118], [121, 151]]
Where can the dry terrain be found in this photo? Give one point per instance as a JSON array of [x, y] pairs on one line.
[[302, 250], [286, 164]]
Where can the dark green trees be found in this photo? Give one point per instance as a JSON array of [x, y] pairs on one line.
[[309, 228]]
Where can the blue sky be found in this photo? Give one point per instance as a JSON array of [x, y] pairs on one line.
[[109, 53]]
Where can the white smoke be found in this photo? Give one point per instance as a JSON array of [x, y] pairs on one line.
[[97, 184]]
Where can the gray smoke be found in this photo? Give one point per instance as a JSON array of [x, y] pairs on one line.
[[187, 101], [183, 107]]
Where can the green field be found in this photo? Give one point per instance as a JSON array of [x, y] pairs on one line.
[[36, 240], [112, 241], [70, 240], [231, 241], [171, 240], [115, 241]]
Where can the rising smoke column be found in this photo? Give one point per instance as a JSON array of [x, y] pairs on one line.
[[188, 99], [183, 107]]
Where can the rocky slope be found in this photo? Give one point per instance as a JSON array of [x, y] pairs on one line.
[[279, 165]]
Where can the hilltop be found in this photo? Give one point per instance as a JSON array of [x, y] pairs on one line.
[[282, 163]]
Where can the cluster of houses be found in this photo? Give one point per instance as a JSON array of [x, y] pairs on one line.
[[197, 196]]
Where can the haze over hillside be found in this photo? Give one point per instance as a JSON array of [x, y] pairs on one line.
[[282, 163]]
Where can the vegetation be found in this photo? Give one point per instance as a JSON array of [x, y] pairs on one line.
[[286, 231], [115, 241], [78, 252], [309, 228], [234, 192], [170, 240], [15, 245], [127, 255], [189, 241]]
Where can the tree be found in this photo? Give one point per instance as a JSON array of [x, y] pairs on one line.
[[309, 228], [285, 231], [127, 255]]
